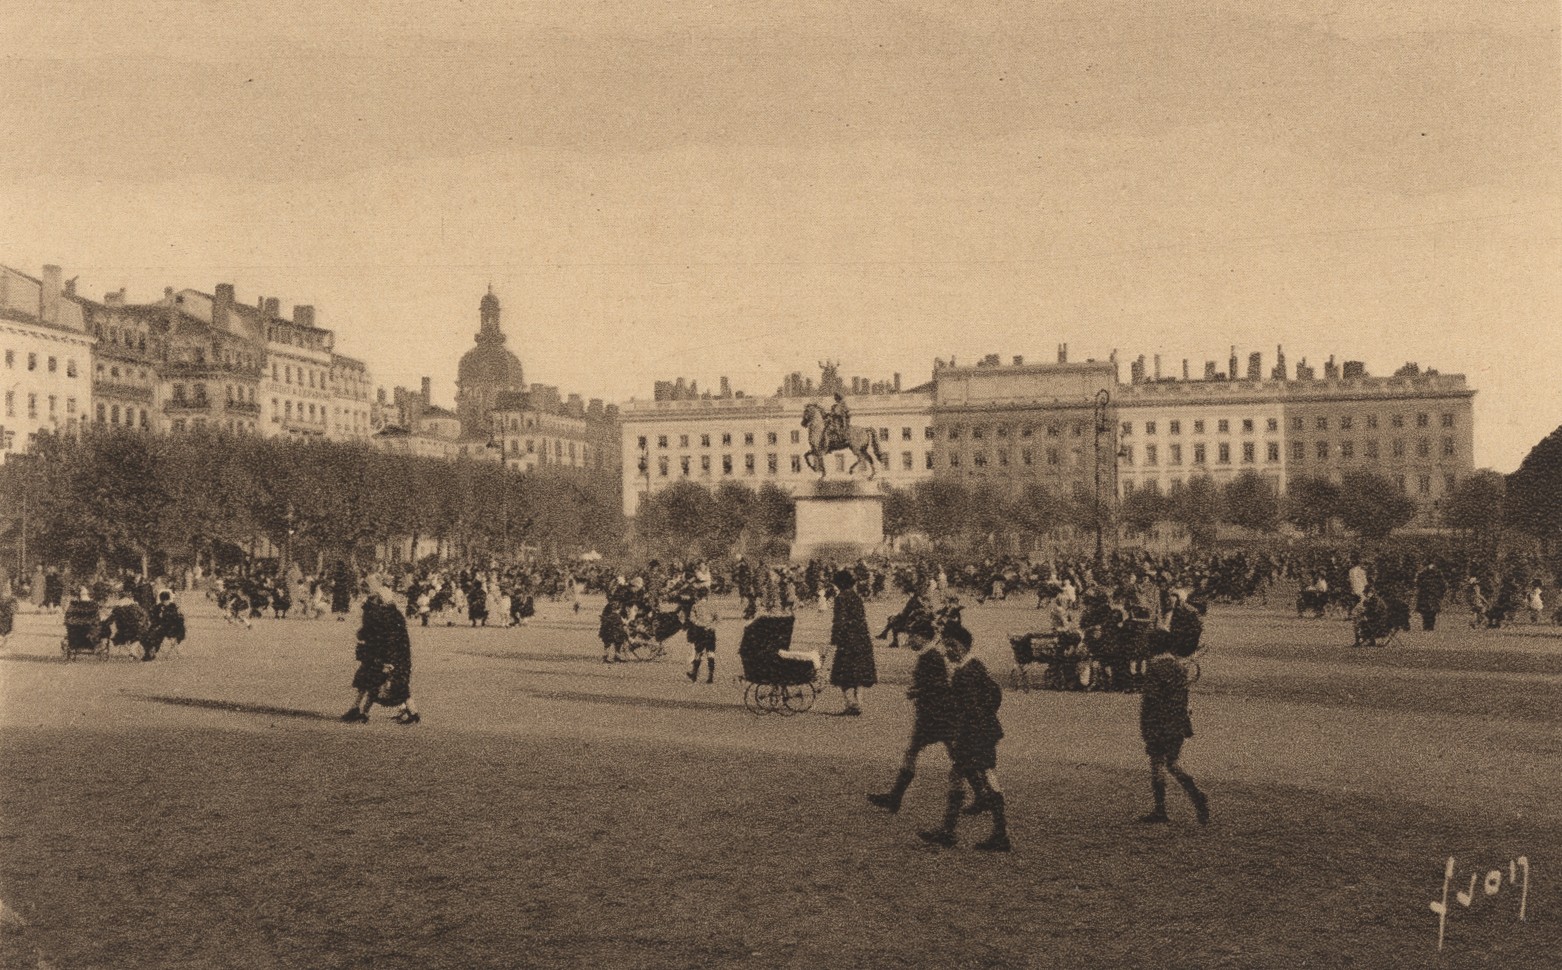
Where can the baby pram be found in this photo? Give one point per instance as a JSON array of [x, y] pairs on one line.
[[84, 634], [648, 632], [776, 679], [1063, 661]]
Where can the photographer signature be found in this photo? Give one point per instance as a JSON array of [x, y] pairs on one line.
[[1517, 869]]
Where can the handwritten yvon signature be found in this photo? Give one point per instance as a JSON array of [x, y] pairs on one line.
[[1518, 869]]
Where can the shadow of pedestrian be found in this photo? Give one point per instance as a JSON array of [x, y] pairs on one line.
[[238, 707]]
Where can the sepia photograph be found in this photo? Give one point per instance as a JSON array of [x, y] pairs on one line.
[[817, 485]]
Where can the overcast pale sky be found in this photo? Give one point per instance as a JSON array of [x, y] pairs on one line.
[[708, 188]]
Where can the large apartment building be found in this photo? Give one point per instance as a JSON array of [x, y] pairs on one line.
[[713, 438], [46, 374]]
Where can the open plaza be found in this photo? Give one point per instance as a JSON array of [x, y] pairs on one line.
[[210, 810]]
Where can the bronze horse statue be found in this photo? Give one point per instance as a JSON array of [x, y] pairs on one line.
[[861, 442]]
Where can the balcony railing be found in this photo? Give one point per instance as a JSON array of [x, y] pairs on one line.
[[181, 404], [242, 407], [117, 389]]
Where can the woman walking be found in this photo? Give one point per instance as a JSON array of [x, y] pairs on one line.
[[384, 655], [852, 668]]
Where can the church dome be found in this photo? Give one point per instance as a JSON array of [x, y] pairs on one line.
[[491, 364]]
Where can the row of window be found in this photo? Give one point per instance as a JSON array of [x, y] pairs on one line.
[[114, 373], [32, 405], [1347, 449], [512, 447], [771, 438], [53, 363], [1322, 451], [286, 372], [1344, 422], [1423, 484], [686, 464]]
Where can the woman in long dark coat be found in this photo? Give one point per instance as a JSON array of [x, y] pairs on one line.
[[852, 668], [384, 654]]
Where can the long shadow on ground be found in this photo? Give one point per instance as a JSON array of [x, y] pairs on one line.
[[237, 707]]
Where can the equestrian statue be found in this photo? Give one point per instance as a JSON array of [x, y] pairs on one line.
[[832, 431]]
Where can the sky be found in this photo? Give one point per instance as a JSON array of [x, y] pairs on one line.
[[715, 188]]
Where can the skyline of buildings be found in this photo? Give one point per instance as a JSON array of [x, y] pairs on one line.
[[195, 359]]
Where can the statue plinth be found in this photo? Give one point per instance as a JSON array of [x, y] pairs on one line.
[[837, 520]]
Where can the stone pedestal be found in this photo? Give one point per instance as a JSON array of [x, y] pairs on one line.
[[838, 520]]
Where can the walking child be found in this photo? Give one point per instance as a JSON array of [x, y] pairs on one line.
[[1165, 723], [973, 750]]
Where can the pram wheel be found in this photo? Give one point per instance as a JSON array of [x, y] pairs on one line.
[[647, 649], [799, 698]]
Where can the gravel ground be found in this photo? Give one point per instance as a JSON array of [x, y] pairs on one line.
[[209, 810]]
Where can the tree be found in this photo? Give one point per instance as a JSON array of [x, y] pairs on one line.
[[1477, 505], [1142, 509], [899, 512], [1311, 502], [1373, 506], [1534, 491], [1252, 502], [942, 509], [1197, 506]]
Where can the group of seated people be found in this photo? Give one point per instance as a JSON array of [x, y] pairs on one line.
[[126, 623]]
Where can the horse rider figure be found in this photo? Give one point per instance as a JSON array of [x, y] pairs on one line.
[[841, 421]]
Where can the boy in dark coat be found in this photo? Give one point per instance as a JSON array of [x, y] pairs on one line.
[[933, 721], [853, 667], [1165, 723], [973, 750]]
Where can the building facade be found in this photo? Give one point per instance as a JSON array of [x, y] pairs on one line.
[[540, 429], [1019, 424], [710, 440], [352, 405], [1415, 428], [47, 359]]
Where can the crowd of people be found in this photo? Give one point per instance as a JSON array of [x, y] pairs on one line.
[[955, 698]]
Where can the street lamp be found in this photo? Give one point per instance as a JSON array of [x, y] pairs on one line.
[[1103, 428], [287, 548]]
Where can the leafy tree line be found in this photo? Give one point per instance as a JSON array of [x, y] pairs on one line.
[[131, 499]]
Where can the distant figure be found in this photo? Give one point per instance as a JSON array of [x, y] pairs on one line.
[[167, 624]]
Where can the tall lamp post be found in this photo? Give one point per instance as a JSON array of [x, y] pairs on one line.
[[1103, 429], [287, 545]]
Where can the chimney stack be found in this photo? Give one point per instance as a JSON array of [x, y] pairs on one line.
[[1209, 370], [428, 386], [1231, 367], [897, 382], [1062, 353], [49, 296], [1255, 366], [726, 388], [273, 308], [222, 305], [1331, 370], [1019, 361], [1157, 366], [1279, 372], [1185, 368], [303, 315], [116, 298]]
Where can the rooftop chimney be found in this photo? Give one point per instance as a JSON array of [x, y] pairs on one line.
[[1231, 368], [116, 298], [897, 382], [49, 296], [1331, 370], [1019, 361], [303, 315], [1062, 353], [1279, 372], [428, 386], [1209, 370], [1185, 368], [222, 305], [1157, 366], [1255, 366], [273, 308]]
